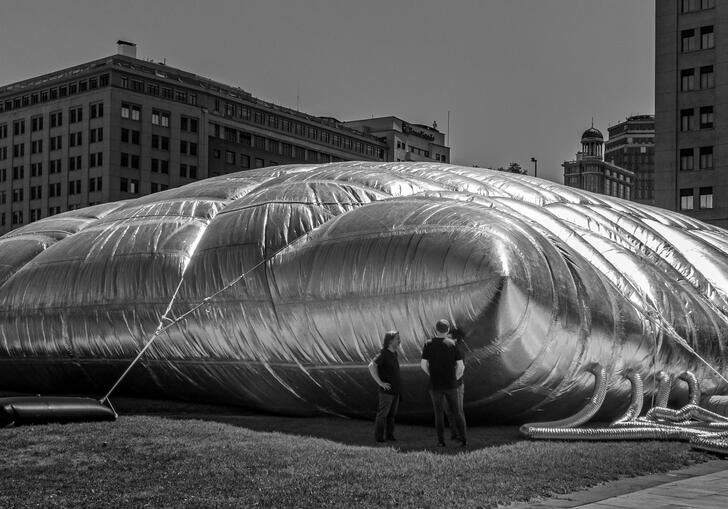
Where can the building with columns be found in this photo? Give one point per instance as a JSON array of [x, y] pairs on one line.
[[590, 172]]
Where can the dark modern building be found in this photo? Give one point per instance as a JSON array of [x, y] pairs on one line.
[[590, 172], [121, 127], [631, 145], [691, 119]]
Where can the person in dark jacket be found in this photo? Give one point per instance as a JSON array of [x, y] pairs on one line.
[[443, 362], [384, 369]]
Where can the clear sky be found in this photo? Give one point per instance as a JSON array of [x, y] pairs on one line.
[[519, 78]]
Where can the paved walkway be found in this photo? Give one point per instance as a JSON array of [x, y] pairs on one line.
[[700, 486]]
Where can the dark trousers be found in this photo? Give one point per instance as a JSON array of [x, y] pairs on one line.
[[451, 417], [387, 410], [438, 401]]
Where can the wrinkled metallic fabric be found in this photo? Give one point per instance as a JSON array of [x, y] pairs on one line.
[[544, 280]]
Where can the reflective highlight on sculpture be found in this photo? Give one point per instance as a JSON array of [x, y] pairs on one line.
[[545, 281]]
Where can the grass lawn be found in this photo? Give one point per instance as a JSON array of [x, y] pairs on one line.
[[189, 456]]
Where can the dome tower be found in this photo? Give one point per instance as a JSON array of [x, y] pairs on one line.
[[592, 143]]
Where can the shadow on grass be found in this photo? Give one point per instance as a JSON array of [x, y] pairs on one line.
[[355, 432]]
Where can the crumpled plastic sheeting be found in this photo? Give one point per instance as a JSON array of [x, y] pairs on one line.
[[543, 279]]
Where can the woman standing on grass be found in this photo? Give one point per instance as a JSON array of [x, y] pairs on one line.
[[384, 369]]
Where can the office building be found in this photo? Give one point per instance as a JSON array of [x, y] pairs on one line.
[[631, 145], [121, 127], [691, 120], [590, 172], [405, 141]]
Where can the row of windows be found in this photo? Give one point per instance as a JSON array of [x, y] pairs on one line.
[[297, 128], [153, 88], [55, 118], [75, 163], [55, 143], [705, 198], [56, 92], [159, 117], [696, 5], [53, 190], [694, 39], [687, 158], [706, 78], [688, 116]]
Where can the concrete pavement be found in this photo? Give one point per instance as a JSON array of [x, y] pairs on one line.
[[704, 485]]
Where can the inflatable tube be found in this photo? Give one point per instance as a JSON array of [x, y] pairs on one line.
[[45, 409]]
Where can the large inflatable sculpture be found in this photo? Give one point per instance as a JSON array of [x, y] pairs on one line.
[[274, 288]]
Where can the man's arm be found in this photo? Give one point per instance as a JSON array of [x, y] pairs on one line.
[[425, 365], [459, 369], [375, 375]]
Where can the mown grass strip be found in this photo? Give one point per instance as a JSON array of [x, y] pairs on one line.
[[229, 460]]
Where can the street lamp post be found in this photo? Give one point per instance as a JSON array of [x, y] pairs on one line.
[[535, 166]]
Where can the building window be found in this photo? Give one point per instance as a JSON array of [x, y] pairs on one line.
[[19, 150], [688, 40], [131, 111], [686, 199], [18, 194], [3, 131], [244, 161], [75, 139], [95, 159], [160, 118], [36, 146], [75, 115], [706, 117], [259, 163], [707, 39], [18, 127], [707, 4], [74, 187], [686, 119], [56, 119], [689, 5], [129, 185], [96, 135], [229, 157], [188, 124], [193, 149], [686, 159], [75, 163], [36, 169], [706, 158], [687, 79], [96, 110], [160, 142], [17, 217], [94, 184], [707, 77], [56, 142], [36, 123], [54, 190], [706, 198]]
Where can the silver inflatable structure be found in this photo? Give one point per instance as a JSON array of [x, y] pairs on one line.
[[272, 289]]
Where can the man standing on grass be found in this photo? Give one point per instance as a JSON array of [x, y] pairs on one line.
[[384, 369], [443, 362], [456, 336]]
